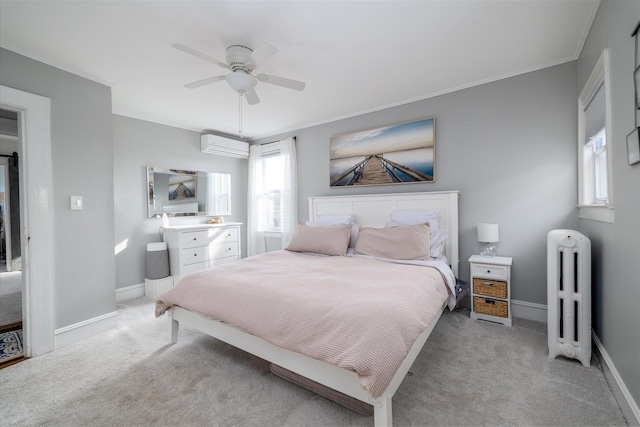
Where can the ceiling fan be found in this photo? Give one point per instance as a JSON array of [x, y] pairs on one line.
[[242, 61]]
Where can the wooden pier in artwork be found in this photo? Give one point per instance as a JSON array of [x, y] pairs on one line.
[[376, 170]]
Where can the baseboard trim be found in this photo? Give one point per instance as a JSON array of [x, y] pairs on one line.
[[79, 331], [529, 311], [620, 391], [130, 292]]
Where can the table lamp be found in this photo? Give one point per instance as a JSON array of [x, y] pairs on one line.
[[488, 235]]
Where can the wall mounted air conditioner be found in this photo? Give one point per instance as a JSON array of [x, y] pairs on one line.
[[214, 144]]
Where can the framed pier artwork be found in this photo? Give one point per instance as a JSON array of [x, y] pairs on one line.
[[397, 154], [182, 184]]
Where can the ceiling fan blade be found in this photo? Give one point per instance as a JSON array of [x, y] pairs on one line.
[[281, 81], [190, 51], [262, 53], [203, 82], [252, 97]]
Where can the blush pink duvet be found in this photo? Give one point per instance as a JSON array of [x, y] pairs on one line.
[[357, 313]]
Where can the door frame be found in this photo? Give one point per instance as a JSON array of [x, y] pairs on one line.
[[36, 207], [7, 214]]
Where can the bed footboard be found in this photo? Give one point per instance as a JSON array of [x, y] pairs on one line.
[[382, 411], [339, 379]]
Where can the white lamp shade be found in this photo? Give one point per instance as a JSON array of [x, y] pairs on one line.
[[241, 81], [488, 233]]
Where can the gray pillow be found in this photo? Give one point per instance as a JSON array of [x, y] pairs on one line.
[[408, 242]]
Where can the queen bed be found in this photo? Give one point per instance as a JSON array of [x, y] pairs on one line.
[[349, 305]]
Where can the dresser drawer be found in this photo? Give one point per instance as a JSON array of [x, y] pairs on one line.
[[192, 239], [490, 288], [192, 268], [209, 252], [491, 307], [488, 271]]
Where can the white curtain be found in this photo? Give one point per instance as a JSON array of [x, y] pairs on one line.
[[289, 191], [255, 203], [257, 195]]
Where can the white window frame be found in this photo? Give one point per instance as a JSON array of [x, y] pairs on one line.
[[269, 151], [589, 207]]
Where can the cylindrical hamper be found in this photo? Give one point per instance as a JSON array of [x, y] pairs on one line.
[[157, 260]]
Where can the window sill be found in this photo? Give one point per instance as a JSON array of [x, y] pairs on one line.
[[272, 233], [602, 213]]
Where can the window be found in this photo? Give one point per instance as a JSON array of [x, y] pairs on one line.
[[272, 195], [594, 154], [595, 165], [272, 179]]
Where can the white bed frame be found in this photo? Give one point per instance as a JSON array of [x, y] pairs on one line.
[[370, 211]]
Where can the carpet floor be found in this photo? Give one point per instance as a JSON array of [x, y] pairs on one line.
[[469, 373]]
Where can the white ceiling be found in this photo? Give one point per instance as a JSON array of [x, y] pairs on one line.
[[355, 57]]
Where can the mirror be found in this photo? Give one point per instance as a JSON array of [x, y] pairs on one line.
[[187, 193]]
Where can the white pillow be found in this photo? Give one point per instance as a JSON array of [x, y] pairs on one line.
[[334, 219], [339, 219], [438, 239], [416, 217]]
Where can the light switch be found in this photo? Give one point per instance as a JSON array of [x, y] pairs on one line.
[[76, 203]]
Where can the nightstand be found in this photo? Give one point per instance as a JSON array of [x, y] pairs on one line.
[[491, 288]]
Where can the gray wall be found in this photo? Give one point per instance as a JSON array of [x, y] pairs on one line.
[[138, 144], [616, 247], [82, 158], [508, 146]]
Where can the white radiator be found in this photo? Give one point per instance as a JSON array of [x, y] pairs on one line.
[[569, 295]]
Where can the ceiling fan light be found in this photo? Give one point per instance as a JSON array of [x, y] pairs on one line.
[[241, 81]]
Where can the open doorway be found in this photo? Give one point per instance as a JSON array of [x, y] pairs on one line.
[[11, 280], [36, 206]]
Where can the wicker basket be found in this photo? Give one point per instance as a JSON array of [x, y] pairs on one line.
[[490, 288], [491, 307]]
